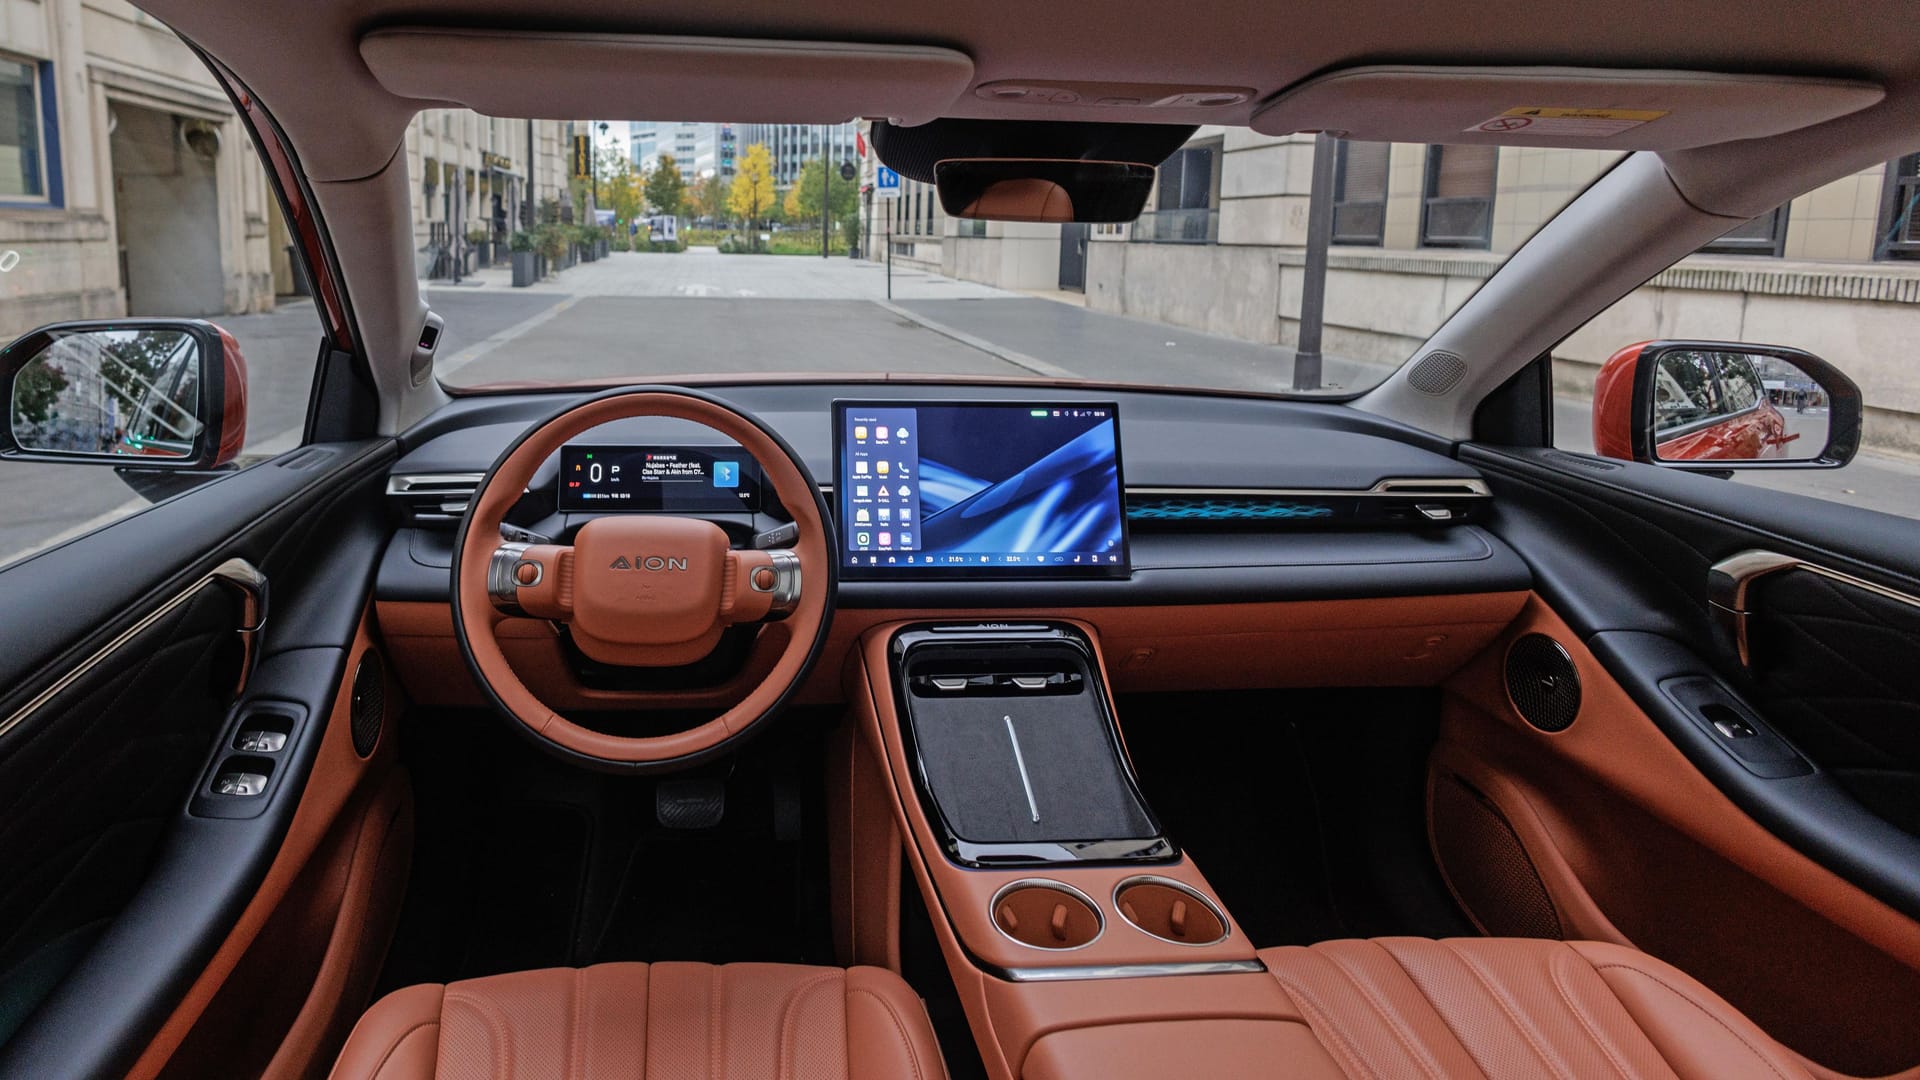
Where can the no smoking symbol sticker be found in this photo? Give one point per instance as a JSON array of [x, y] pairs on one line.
[[1506, 123]]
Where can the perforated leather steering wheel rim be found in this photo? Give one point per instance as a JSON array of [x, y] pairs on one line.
[[474, 613]]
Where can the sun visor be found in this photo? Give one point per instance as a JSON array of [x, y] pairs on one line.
[[1589, 108], [568, 75]]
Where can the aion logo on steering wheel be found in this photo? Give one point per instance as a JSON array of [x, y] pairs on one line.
[[648, 562]]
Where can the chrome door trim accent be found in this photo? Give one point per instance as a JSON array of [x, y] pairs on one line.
[[1133, 971], [1730, 581], [237, 574]]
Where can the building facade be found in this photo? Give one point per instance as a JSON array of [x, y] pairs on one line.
[[127, 184], [1417, 228], [469, 175], [699, 148], [793, 145]]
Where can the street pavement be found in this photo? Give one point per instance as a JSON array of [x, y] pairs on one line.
[[649, 317]]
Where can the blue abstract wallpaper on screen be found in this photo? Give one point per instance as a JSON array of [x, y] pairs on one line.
[[998, 480]]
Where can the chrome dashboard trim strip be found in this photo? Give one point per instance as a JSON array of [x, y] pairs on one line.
[[237, 574], [1447, 488]]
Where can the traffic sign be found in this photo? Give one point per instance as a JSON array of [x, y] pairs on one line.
[[847, 171], [886, 183]]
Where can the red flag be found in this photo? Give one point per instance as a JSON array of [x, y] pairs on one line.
[[860, 143]]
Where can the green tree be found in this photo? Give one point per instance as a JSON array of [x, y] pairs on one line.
[[803, 199], [751, 198], [666, 192], [35, 390]]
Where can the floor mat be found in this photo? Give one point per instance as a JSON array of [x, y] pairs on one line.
[[1303, 808]]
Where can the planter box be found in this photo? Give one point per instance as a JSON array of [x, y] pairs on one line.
[[526, 269]]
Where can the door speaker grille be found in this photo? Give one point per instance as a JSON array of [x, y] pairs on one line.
[[1542, 683], [368, 707], [1486, 864]]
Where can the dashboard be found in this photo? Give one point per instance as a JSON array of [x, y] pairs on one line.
[[1184, 498]]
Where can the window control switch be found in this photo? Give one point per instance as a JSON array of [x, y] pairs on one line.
[[260, 742], [239, 783]]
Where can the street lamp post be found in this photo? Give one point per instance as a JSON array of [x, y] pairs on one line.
[[826, 182]]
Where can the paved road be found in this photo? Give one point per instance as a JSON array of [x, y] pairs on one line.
[[657, 316]]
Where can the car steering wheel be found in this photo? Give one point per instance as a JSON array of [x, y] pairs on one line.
[[642, 590]]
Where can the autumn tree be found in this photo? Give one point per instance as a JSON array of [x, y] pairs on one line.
[[666, 191], [620, 188], [708, 197], [752, 196]]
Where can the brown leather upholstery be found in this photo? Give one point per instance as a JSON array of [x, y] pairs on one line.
[[685, 1021], [1497, 1008]]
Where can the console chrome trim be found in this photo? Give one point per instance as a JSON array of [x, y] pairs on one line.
[[1461, 487], [1057, 886], [1226, 924], [237, 574], [1132, 971]]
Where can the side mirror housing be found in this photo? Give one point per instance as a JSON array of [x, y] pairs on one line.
[[1711, 406], [136, 393]]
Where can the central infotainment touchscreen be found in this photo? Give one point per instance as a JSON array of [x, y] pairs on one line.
[[979, 489]]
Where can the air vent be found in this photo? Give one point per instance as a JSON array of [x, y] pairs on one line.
[[1225, 508], [434, 497], [1436, 373], [368, 706], [1542, 683]]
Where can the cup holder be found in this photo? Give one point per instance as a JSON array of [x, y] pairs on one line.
[[1170, 911], [1046, 915]]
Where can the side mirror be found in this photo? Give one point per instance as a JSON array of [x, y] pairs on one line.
[[1716, 405], [138, 393]]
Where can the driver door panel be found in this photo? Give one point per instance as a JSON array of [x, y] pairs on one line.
[[127, 878]]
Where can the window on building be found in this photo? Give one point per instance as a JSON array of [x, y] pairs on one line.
[[23, 164], [1457, 210], [1764, 235], [1899, 236], [1186, 200], [1360, 192]]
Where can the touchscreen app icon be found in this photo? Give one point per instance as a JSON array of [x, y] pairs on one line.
[[859, 433], [861, 516], [726, 474], [881, 467], [860, 467]]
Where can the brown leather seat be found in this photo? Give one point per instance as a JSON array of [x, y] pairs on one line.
[[734, 1021], [1498, 1008]]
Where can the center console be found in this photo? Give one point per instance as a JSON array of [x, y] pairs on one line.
[[1066, 914]]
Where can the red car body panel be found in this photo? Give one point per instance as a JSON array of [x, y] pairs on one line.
[[1751, 435]]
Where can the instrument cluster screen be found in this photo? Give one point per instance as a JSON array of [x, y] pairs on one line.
[[662, 479]]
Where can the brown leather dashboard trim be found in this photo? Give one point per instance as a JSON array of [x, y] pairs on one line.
[[1393, 641]]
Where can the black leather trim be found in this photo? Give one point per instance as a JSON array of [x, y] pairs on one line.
[[1812, 812], [315, 532]]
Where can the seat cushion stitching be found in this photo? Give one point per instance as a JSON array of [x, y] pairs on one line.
[[574, 1017], [1555, 964], [1320, 1022], [395, 1045], [715, 1001], [1506, 1007], [1414, 1050], [899, 1028], [499, 1035], [1462, 1043], [1688, 998], [783, 1067]]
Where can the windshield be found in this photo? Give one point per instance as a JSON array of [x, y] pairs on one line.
[[660, 249]]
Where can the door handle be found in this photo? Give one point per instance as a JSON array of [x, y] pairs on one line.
[[1730, 588], [250, 584]]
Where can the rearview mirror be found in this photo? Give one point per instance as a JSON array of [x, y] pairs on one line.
[[1016, 189], [1714, 405], [142, 393]]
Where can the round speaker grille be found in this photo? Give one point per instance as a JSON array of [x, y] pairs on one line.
[[1542, 683], [1436, 372], [369, 705]]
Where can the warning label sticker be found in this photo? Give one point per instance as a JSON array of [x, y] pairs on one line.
[[1578, 123]]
